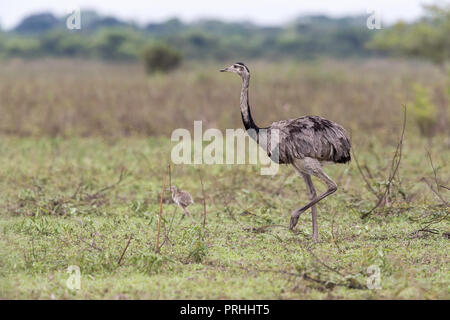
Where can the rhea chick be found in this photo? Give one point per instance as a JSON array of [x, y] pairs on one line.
[[182, 199]]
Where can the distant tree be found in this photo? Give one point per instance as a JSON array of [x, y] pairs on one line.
[[161, 58], [200, 45], [50, 41], [114, 39], [107, 22], [171, 26], [22, 47], [117, 44], [428, 38], [37, 23], [73, 45], [60, 42]]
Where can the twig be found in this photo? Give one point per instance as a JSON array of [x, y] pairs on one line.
[[166, 236], [415, 234], [204, 198], [229, 211], [333, 237], [77, 190], [95, 195], [437, 193], [305, 276], [170, 175], [159, 215], [369, 173], [395, 164], [434, 231], [369, 186], [433, 221], [323, 263], [90, 244], [124, 250], [434, 169], [263, 229]]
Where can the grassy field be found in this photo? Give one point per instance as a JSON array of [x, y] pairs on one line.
[[84, 150]]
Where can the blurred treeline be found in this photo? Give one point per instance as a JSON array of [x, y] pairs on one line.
[[103, 37], [359, 93]]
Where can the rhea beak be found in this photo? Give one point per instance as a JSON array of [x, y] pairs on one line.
[[224, 70]]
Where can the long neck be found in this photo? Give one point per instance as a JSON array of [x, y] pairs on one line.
[[245, 106]]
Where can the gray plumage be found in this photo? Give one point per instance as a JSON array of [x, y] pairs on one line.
[[182, 199], [310, 136], [305, 143]]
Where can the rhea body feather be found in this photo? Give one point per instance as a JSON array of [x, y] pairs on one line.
[[307, 136]]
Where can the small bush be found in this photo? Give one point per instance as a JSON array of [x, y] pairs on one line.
[[424, 111], [194, 237], [161, 58]]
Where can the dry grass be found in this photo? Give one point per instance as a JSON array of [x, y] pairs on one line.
[[67, 98]]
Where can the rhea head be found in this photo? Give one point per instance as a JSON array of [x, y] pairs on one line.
[[239, 68], [173, 189]]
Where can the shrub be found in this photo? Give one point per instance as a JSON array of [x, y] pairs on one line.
[[161, 58], [194, 238], [22, 47], [424, 111]]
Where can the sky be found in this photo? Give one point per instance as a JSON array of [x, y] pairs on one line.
[[265, 12]]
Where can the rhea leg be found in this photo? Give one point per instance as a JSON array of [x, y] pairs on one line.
[[312, 196], [310, 166], [186, 212]]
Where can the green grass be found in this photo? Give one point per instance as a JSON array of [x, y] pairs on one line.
[[53, 214]]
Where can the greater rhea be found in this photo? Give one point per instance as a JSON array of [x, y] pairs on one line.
[[182, 199], [306, 143]]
